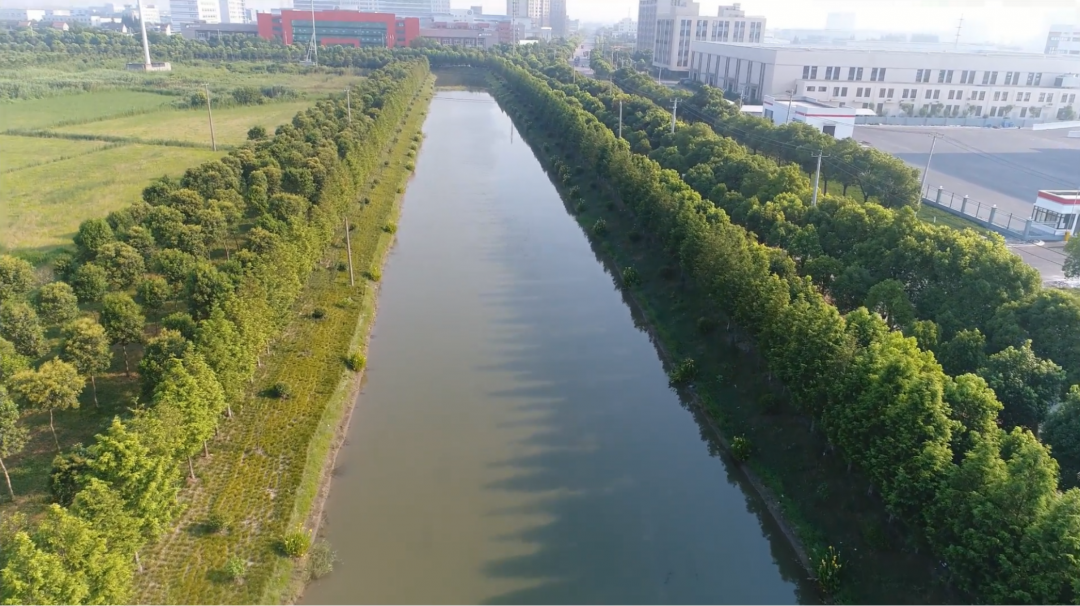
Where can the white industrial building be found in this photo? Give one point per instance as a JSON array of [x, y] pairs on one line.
[[668, 27], [895, 83], [839, 122], [1063, 40]]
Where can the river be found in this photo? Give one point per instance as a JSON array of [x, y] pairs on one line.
[[516, 440]]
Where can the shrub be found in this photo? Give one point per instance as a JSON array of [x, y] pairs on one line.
[[318, 313], [342, 266], [321, 560], [630, 277], [828, 572], [684, 373], [390, 228], [256, 132], [355, 361], [295, 544], [234, 569], [374, 274], [705, 325], [410, 166], [579, 207], [740, 448], [216, 523], [280, 391], [600, 228]]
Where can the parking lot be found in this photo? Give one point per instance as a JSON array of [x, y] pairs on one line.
[[1006, 167]]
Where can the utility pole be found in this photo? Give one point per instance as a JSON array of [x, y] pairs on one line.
[[926, 171], [620, 118], [659, 75], [348, 250], [817, 179], [787, 116], [209, 114], [314, 40], [348, 102], [674, 111]]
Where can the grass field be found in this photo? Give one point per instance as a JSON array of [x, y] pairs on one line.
[[42, 206], [21, 152], [42, 113], [230, 124]]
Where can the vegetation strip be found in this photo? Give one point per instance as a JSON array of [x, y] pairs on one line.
[[231, 245]]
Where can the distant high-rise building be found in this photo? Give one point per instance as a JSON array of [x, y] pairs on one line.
[[840, 21], [195, 11], [559, 19], [232, 11], [646, 33], [1063, 40], [405, 8], [537, 10]]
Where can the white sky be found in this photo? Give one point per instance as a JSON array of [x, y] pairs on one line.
[[984, 20]]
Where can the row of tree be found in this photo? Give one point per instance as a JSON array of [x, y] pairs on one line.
[[950, 289], [985, 500], [231, 244]]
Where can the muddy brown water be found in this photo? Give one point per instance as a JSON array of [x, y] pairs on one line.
[[516, 440]]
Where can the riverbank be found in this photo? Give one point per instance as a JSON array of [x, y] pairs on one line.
[[269, 462], [324, 448], [808, 490]]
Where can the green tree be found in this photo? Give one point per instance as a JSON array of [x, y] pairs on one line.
[[11, 361], [190, 388], [57, 303], [92, 235], [123, 322], [13, 436], [964, 353], [16, 277], [889, 300], [168, 345], [1062, 434], [105, 510], [221, 345], [1072, 258], [206, 289], [154, 291], [90, 282], [1025, 384], [86, 347], [123, 264], [19, 325], [256, 132], [32, 575], [54, 386]]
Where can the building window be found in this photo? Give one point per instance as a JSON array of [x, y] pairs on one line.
[[858, 74], [1005, 96], [937, 94], [877, 74], [1011, 78], [978, 110], [1023, 112], [851, 73], [843, 92], [1034, 79], [923, 75], [881, 93], [1036, 112], [951, 93], [1042, 97], [982, 95], [997, 96], [967, 77], [986, 78], [1049, 97], [928, 93], [806, 72], [836, 91], [993, 112]]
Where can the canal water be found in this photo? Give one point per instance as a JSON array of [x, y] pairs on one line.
[[516, 440]]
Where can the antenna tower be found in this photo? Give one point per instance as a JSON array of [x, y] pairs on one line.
[[959, 27]]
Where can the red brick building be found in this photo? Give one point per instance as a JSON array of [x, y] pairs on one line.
[[347, 28]]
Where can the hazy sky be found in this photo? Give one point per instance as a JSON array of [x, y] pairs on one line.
[[998, 20]]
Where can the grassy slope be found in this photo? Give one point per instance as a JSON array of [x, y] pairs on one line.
[[266, 465], [40, 113], [42, 206], [22, 152], [230, 124], [817, 495]]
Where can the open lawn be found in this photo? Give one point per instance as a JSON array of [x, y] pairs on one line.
[[230, 124], [21, 152], [41, 207], [41, 113]]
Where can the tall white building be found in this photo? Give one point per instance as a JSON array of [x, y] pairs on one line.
[[1063, 40], [401, 8], [537, 10], [646, 31], [232, 11], [678, 23], [895, 83], [195, 11]]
